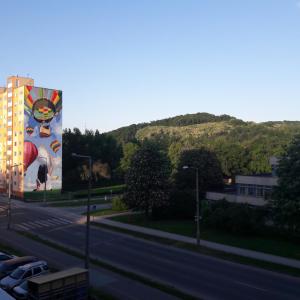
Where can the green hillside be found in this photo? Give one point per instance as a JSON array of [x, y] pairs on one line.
[[128, 133], [180, 132], [242, 147]]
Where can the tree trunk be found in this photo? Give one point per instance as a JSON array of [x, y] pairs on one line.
[[147, 212]]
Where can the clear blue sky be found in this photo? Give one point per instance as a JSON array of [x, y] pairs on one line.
[[128, 61]]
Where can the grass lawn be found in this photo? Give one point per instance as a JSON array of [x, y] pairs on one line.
[[74, 203], [272, 244], [53, 195], [56, 195], [116, 189], [104, 212]]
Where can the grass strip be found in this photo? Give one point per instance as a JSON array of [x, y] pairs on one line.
[[75, 203], [207, 251], [57, 196], [264, 241], [10, 250], [104, 212], [163, 287], [101, 295]]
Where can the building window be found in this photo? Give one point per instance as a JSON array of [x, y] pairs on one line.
[[242, 190], [251, 190], [259, 191]]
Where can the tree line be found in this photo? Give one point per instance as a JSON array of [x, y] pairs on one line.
[[155, 178], [154, 186]]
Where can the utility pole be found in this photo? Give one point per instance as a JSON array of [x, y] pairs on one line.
[[197, 217], [198, 206], [88, 209], [88, 217]]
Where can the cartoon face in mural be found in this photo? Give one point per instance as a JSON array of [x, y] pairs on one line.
[[43, 134]]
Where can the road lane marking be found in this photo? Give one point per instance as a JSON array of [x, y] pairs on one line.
[[69, 221], [23, 227], [53, 222], [250, 286], [34, 224], [40, 223], [61, 222]]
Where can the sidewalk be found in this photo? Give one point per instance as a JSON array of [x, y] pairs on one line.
[[111, 283], [220, 247]]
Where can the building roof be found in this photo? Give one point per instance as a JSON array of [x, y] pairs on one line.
[[57, 275]]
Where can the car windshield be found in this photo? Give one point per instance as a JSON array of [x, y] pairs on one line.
[[17, 274], [24, 285]]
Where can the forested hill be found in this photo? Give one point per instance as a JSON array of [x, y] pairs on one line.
[[242, 147], [128, 133]]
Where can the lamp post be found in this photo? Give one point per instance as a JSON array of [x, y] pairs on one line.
[[45, 174], [197, 202], [87, 238], [9, 196]]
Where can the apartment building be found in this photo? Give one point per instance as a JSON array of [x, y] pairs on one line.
[[30, 137]]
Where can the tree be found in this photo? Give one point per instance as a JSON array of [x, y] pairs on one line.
[[147, 179], [129, 149], [233, 157], [287, 194], [105, 151], [209, 168]]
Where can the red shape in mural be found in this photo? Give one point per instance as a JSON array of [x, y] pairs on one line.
[[30, 154]]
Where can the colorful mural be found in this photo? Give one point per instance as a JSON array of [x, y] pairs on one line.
[[43, 139]]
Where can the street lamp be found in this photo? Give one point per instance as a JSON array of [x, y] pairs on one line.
[[46, 169], [9, 195], [87, 239], [197, 202]]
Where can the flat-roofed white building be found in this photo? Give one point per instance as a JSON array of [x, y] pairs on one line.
[[255, 189]]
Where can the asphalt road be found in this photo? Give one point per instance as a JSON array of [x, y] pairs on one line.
[[117, 285], [202, 276]]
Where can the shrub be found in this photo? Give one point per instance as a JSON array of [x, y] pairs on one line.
[[118, 204], [182, 205], [238, 218]]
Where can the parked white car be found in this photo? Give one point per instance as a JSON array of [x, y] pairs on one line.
[[22, 273], [5, 256], [5, 296], [20, 292]]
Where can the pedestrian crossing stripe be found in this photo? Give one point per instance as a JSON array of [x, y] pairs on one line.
[[3, 208], [43, 223]]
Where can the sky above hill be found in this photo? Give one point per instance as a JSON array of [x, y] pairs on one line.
[[122, 62]]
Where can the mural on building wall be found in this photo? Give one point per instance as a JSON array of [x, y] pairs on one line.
[[42, 139]]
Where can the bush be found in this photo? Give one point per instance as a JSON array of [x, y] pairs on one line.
[[118, 204], [238, 218], [182, 205]]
